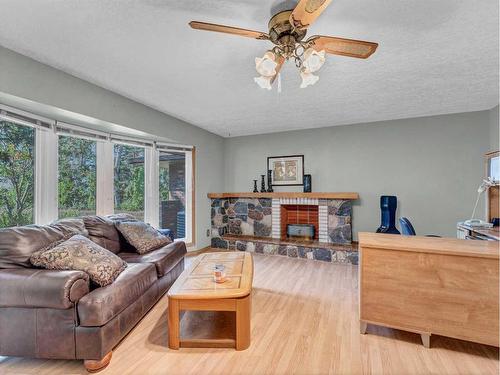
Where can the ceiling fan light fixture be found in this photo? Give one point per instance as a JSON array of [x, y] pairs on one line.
[[287, 30], [313, 60], [263, 82], [266, 65], [308, 79]]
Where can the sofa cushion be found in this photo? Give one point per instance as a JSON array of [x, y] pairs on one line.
[[18, 243], [81, 254], [117, 218], [142, 236], [102, 304], [103, 232], [164, 258], [121, 217], [71, 225]]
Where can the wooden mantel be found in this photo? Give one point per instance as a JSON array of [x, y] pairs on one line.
[[343, 195]]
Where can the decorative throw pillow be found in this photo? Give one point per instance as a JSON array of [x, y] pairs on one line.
[[81, 254], [142, 236]]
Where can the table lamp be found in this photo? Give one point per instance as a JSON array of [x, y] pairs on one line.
[[485, 185]]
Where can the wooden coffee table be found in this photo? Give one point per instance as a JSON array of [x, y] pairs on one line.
[[196, 290]]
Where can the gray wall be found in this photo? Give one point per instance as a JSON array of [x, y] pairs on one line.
[[494, 130], [29, 79], [433, 164]]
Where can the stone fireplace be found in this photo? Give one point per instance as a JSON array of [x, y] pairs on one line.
[[258, 222]]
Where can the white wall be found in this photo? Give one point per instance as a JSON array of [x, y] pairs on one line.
[[433, 164], [25, 78]]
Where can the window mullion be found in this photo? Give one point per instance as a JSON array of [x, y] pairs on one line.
[[104, 179], [46, 175], [189, 196], [151, 187]]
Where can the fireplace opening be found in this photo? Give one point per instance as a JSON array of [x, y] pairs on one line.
[[300, 231], [299, 221]]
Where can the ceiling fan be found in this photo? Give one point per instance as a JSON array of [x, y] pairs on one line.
[[287, 30]]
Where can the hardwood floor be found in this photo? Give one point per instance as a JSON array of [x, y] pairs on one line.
[[304, 321]]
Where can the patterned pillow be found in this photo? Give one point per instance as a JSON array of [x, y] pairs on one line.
[[142, 236], [81, 254]]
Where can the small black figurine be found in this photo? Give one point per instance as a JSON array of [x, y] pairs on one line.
[[255, 190], [269, 181], [307, 183], [262, 184]]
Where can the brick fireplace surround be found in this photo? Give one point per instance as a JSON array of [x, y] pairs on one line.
[[257, 222]]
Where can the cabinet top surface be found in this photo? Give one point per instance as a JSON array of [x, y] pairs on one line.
[[444, 245]]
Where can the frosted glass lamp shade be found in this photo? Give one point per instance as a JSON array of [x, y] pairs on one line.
[[266, 65], [308, 79], [263, 82], [313, 60]]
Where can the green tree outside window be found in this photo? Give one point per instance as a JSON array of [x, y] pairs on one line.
[[17, 174], [77, 177]]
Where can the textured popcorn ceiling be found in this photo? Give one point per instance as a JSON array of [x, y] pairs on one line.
[[434, 57]]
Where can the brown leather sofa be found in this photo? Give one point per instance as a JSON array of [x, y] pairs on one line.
[[61, 314]]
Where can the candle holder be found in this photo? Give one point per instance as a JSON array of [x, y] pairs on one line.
[[255, 190], [270, 181], [262, 183]]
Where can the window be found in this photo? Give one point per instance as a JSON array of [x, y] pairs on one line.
[[17, 174], [172, 177], [129, 180], [52, 170], [77, 177]]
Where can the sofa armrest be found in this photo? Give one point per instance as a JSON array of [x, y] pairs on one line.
[[28, 287]]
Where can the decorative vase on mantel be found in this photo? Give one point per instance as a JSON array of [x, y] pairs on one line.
[[270, 181], [307, 183]]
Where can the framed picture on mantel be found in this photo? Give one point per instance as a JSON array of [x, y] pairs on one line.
[[286, 170]]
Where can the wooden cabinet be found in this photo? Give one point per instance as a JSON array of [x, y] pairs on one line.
[[443, 286]]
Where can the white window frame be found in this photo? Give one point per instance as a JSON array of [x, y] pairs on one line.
[[105, 189], [46, 172], [46, 176], [151, 187], [102, 170], [189, 152], [148, 147]]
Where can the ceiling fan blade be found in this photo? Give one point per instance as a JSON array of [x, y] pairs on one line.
[[228, 30], [280, 60], [344, 47], [306, 12]]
